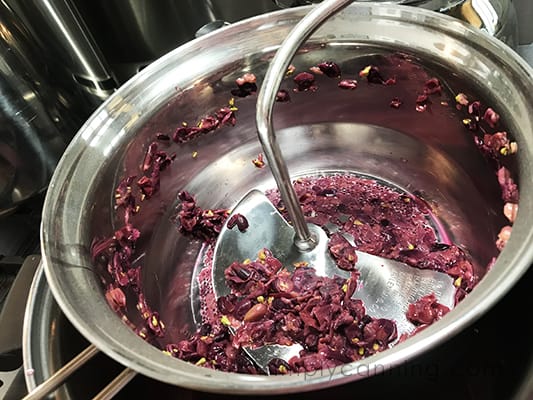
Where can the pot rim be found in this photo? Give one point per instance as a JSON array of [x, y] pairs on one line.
[[127, 348]]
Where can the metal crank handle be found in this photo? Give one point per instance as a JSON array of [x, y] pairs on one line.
[[303, 240]]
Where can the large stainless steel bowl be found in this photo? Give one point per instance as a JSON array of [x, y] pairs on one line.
[[329, 130]]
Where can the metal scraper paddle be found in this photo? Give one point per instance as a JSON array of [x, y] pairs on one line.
[[385, 286]]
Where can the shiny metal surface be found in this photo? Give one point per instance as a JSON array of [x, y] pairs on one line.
[[39, 360], [387, 287], [144, 30], [37, 120], [133, 33], [79, 204], [57, 26]]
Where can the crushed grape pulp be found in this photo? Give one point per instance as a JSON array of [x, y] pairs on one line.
[[269, 304]]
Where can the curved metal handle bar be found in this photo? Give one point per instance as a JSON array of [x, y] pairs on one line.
[[303, 240], [62, 374], [59, 377]]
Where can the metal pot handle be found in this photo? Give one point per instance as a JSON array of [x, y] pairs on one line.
[[61, 375]]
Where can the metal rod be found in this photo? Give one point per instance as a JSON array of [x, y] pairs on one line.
[[303, 240], [116, 385], [62, 374]]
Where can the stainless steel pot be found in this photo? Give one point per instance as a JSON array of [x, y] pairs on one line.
[[37, 119], [42, 105], [323, 131]]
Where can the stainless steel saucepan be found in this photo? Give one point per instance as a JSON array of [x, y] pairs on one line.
[[430, 153]]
